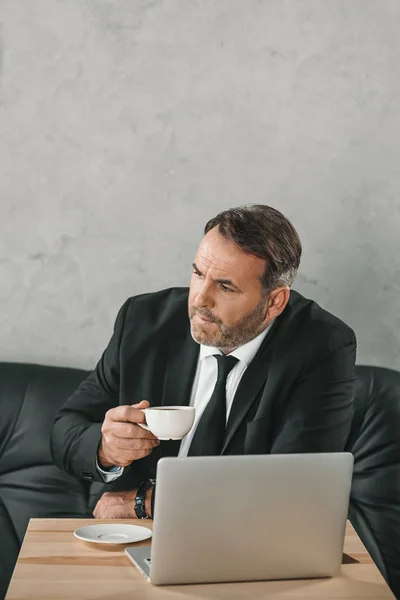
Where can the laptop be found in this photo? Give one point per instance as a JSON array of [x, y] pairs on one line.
[[247, 518]]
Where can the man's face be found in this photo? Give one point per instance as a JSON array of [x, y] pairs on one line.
[[226, 305]]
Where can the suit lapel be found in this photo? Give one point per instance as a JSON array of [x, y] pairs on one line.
[[182, 356], [250, 385]]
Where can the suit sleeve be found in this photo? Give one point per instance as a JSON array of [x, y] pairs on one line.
[[317, 416], [76, 430]]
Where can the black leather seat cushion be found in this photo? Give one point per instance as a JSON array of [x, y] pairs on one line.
[[375, 442]]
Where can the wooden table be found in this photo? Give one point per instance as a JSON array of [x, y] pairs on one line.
[[54, 564]]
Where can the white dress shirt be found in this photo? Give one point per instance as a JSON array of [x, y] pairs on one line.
[[203, 387], [206, 378]]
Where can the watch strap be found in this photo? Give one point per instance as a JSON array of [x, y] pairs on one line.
[[140, 500]]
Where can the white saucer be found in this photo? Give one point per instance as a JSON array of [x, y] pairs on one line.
[[113, 534]]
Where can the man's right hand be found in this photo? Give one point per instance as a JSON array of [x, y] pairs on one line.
[[122, 441]]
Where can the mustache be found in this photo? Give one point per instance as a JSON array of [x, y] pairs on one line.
[[205, 314]]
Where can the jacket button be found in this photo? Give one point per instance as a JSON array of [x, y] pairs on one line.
[[87, 475]]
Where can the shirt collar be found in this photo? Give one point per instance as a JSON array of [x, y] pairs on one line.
[[245, 353]]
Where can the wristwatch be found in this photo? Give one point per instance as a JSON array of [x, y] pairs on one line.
[[140, 500]]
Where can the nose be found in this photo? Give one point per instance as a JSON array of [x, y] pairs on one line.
[[203, 298]]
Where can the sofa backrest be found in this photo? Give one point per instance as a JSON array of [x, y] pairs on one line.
[[30, 484], [374, 441]]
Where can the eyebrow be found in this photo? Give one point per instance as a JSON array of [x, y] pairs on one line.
[[223, 281]]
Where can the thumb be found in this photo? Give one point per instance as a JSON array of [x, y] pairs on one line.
[[141, 404]]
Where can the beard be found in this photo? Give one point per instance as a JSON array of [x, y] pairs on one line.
[[228, 335]]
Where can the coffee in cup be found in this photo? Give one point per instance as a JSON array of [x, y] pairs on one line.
[[169, 422]]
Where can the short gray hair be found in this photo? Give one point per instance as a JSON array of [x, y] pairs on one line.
[[264, 232]]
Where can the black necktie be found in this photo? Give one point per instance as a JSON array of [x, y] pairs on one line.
[[210, 432]]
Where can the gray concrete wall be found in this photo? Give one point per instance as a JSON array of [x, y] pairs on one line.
[[125, 125]]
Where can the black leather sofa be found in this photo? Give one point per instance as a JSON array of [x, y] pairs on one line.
[[31, 486]]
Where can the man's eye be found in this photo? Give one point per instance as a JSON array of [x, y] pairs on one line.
[[226, 289]]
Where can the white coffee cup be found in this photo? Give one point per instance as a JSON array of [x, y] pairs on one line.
[[169, 422]]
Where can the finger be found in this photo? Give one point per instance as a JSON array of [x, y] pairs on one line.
[[139, 433], [142, 433], [141, 404], [129, 431], [126, 413], [134, 445]]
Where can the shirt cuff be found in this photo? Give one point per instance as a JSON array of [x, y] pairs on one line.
[[110, 474]]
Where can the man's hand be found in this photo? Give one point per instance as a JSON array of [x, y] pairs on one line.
[[120, 505], [122, 441]]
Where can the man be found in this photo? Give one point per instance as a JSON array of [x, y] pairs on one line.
[[268, 370]]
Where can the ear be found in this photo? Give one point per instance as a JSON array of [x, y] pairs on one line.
[[277, 301]]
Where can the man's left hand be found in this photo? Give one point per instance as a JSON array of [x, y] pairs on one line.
[[119, 505]]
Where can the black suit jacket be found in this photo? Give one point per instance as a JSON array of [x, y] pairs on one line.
[[295, 396]]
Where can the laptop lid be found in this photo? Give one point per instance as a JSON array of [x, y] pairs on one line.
[[243, 518]]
